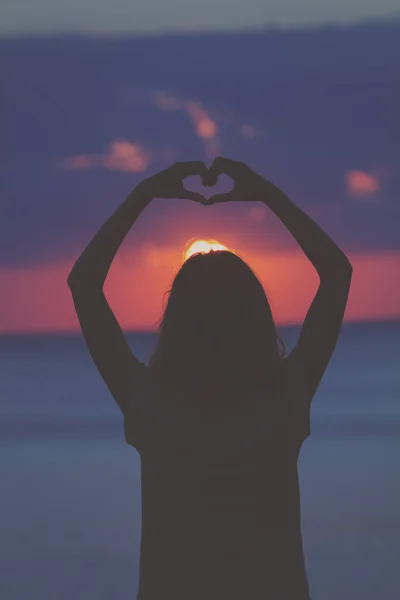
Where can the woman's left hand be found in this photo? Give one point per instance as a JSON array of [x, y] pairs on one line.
[[169, 183]]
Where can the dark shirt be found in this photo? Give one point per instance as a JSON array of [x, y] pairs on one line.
[[220, 501]]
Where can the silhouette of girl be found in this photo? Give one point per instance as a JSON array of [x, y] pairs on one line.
[[219, 414]]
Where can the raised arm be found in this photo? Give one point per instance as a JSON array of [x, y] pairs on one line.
[[321, 327], [107, 345]]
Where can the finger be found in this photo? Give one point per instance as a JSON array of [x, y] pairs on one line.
[[186, 194], [218, 198], [211, 179], [225, 165], [189, 168]]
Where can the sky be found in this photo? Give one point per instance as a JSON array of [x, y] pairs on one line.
[[101, 17], [87, 119]]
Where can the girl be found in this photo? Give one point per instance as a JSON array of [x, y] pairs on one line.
[[219, 414]]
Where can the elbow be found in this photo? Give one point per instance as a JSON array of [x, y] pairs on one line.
[[75, 279], [74, 275], [344, 270], [339, 270], [342, 265], [79, 282], [72, 279], [348, 267]]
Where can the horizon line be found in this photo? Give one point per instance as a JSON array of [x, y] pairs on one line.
[[75, 332], [393, 19]]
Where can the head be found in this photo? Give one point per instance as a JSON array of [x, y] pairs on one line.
[[217, 332]]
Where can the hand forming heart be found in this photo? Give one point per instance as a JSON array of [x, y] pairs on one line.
[[169, 183]]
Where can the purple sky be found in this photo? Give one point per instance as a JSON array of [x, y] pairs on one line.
[[320, 107]]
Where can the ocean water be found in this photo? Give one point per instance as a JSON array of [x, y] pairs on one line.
[[70, 501]]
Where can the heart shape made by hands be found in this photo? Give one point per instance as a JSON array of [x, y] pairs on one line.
[[212, 183]]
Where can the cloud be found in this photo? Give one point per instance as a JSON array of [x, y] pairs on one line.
[[122, 156], [361, 184], [248, 131], [204, 126], [81, 162], [257, 213]]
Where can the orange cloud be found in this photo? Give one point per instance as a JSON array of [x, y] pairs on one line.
[[122, 156], [361, 184], [79, 162], [204, 126], [128, 156], [257, 213], [248, 131]]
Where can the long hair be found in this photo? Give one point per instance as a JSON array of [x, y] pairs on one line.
[[217, 337]]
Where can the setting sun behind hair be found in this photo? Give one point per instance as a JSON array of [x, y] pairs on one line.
[[202, 246]]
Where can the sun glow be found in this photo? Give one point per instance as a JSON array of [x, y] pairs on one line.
[[202, 246]]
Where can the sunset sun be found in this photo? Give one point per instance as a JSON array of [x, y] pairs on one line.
[[203, 246]]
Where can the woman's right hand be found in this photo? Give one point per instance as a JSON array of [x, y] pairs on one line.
[[169, 182], [248, 185]]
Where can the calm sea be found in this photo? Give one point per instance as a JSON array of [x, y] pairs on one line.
[[70, 487]]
